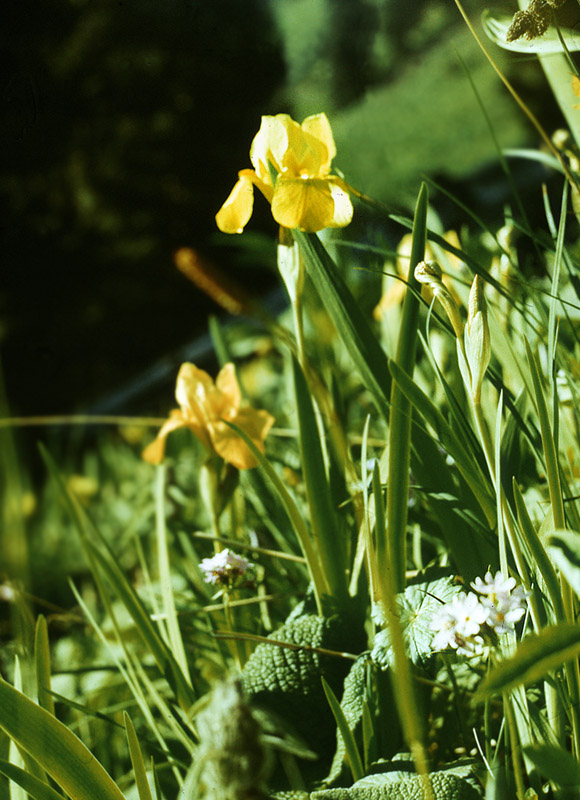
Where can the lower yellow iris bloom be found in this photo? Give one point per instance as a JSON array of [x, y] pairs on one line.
[[205, 408]]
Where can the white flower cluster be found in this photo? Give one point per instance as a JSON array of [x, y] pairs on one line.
[[465, 624], [224, 567]]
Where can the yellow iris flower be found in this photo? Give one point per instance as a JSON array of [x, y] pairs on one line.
[[205, 407], [304, 194]]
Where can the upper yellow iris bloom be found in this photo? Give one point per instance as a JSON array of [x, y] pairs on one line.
[[305, 194], [204, 408]]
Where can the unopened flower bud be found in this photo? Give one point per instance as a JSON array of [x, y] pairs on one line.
[[477, 339], [429, 273]]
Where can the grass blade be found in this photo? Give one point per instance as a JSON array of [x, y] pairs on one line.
[[34, 787], [55, 747], [352, 325], [322, 513], [535, 657], [42, 663], [352, 753], [137, 760], [393, 551]]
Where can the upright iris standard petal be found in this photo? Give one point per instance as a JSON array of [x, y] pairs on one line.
[[318, 126], [292, 169]]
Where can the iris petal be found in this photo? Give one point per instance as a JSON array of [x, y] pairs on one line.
[[227, 384], [342, 206], [155, 451], [305, 204], [235, 213], [231, 447], [319, 126]]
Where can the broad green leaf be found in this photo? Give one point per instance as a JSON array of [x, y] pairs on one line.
[[496, 26], [55, 747], [564, 550], [352, 325], [37, 789], [137, 760], [535, 657], [350, 746]]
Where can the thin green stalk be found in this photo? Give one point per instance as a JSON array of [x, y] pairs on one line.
[[392, 554], [404, 689]]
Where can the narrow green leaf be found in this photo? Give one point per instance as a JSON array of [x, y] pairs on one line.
[[42, 663], [556, 764], [322, 514], [536, 656], [564, 550], [55, 748], [144, 626], [173, 629], [550, 455], [352, 753], [137, 760], [303, 535], [466, 464], [98, 550], [352, 325], [37, 789], [540, 561], [393, 551]]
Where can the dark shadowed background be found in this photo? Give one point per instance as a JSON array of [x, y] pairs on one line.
[[123, 125]]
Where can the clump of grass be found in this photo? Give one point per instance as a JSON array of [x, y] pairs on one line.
[[363, 581]]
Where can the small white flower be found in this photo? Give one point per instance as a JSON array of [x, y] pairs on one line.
[[224, 567], [457, 625], [498, 587], [502, 599]]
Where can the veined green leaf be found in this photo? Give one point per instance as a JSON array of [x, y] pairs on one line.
[[55, 748], [535, 657], [37, 789]]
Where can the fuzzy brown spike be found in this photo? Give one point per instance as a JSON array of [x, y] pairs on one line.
[[531, 23]]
